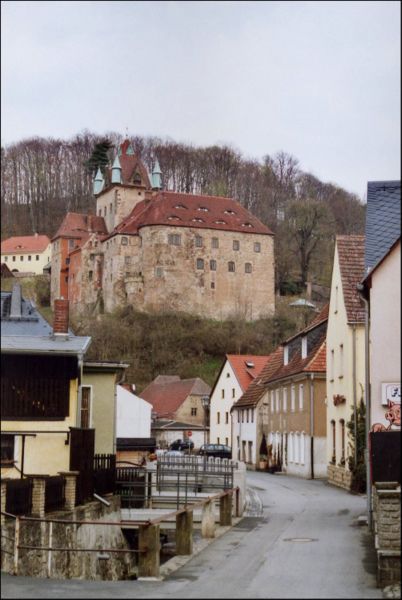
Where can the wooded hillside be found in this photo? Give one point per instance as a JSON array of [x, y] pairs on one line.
[[42, 179]]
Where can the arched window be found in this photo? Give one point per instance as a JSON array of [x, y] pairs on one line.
[[342, 424]]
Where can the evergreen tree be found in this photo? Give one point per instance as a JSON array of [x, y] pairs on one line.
[[358, 466], [99, 157]]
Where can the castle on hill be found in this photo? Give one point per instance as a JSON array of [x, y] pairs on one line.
[[160, 250]]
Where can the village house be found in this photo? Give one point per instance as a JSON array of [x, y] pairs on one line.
[[177, 409], [133, 426], [296, 403], [27, 254], [238, 371], [345, 357], [249, 414], [161, 250], [41, 374]]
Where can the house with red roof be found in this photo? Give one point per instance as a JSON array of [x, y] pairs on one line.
[[26, 254], [161, 250], [238, 371], [345, 357], [177, 409], [286, 403]]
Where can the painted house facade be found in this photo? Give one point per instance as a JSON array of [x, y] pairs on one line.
[[26, 254], [41, 374], [164, 250], [345, 356], [236, 374]]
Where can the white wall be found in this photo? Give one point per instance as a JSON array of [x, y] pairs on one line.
[[385, 331], [226, 383], [133, 417], [247, 432]]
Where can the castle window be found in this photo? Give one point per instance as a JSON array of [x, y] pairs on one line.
[[229, 211], [174, 239], [257, 247], [71, 244], [212, 285], [158, 272], [198, 220], [124, 241], [236, 245], [220, 222], [200, 263], [174, 218], [90, 275], [137, 178], [248, 268], [198, 241], [203, 208], [181, 206], [127, 261], [231, 266], [212, 265], [247, 225], [193, 412], [215, 242], [91, 256]]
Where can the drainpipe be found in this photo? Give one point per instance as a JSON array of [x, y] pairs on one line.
[[79, 391], [354, 387], [360, 289], [312, 425]]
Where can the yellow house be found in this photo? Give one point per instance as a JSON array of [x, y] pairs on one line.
[[98, 403], [41, 372], [26, 254], [345, 356]]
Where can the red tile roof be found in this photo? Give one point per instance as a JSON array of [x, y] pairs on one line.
[[167, 397], [351, 250], [189, 210], [257, 388], [25, 243], [319, 361], [246, 374], [77, 224]]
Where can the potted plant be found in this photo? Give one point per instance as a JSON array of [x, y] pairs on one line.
[[263, 461]]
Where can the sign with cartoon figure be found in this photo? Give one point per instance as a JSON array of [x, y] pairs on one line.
[[391, 392], [391, 397]]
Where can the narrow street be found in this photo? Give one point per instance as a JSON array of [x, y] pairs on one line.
[[300, 539]]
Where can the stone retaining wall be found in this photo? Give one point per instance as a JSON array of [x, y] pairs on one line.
[[387, 531], [339, 476]]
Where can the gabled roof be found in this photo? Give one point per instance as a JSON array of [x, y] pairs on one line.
[[246, 367], [167, 397], [25, 243], [78, 225], [383, 219], [189, 210], [256, 389], [351, 265]]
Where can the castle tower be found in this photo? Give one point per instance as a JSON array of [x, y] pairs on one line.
[[156, 176]]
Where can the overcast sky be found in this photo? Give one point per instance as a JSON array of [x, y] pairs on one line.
[[319, 80]]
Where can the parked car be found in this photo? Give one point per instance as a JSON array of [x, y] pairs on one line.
[[217, 450], [172, 453], [181, 445]]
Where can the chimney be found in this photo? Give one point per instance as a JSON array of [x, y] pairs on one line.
[[60, 325], [36, 234]]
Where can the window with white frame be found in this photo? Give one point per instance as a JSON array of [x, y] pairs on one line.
[[277, 400], [297, 447], [286, 355], [304, 346], [302, 448], [292, 398], [301, 396], [86, 401], [291, 447], [272, 401], [285, 398]]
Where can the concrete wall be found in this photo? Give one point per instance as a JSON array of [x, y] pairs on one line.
[[68, 565], [385, 331], [226, 392], [340, 376]]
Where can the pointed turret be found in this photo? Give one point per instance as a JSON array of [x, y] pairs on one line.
[[156, 176], [116, 170], [99, 182]]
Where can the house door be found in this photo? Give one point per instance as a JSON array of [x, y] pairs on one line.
[[82, 451]]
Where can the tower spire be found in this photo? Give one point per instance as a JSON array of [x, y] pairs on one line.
[[156, 176], [116, 170], [99, 182]]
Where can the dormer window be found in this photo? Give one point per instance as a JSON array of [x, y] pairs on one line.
[[247, 225], [286, 355], [229, 211], [198, 220], [137, 178], [181, 206], [203, 208], [304, 347], [250, 364], [174, 218], [220, 222]]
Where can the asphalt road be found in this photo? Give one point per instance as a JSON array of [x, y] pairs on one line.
[[300, 539]]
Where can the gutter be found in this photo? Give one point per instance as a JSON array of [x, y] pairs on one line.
[[312, 425], [367, 397], [354, 387]]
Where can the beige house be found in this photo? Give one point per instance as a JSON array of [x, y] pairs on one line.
[[26, 254], [98, 402], [345, 355]]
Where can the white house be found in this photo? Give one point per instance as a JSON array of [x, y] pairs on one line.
[[236, 374], [133, 425]]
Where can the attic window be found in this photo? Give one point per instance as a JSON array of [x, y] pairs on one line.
[[249, 364], [124, 241], [198, 220], [247, 225], [229, 211], [19, 246], [181, 206], [137, 178], [203, 208], [304, 346], [174, 218], [286, 355], [220, 222]]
